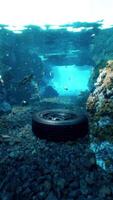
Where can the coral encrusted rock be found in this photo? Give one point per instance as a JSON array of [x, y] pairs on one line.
[[100, 105]]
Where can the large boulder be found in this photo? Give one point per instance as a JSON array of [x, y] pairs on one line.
[[101, 47], [100, 112], [49, 92], [5, 108], [100, 105]]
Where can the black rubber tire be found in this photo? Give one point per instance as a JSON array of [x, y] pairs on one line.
[[59, 125]]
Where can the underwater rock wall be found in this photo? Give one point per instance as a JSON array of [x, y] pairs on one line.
[[100, 106], [101, 47], [26, 59]]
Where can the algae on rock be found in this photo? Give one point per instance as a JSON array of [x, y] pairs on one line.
[[100, 105]]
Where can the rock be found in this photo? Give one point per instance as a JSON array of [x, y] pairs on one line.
[[6, 196], [74, 185], [92, 161], [100, 112], [100, 105], [51, 196], [90, 178], [47, 185], [70, 198], [42, 195], [5, 108], [14, 154], [73, 194], [88, 161], [104, 191], [50, 92], [105, 121], [83, 187], [27, 191], [60, 183], [89, 197]]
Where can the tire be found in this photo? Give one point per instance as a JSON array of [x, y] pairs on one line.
[[59, 125]]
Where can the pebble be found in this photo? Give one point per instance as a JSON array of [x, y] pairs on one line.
[[5, 108], [83, 187], [74, 184], [60, 183], [51, 196], [12, 155], [6, 196], [90, 178], [104, 191], [74, 194], [41, 195]]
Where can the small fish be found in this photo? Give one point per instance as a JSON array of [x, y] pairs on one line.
[[51, 74], [27, 79], [1, 80], [93, 35], [65, 88], [24, 103]]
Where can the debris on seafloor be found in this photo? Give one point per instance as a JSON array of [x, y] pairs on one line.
[[4, 138], [8, 139], [27, 79]]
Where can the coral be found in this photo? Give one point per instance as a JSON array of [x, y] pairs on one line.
[[100, 105]]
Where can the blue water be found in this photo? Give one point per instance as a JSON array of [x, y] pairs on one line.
[[59, 58], [71, 79]]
